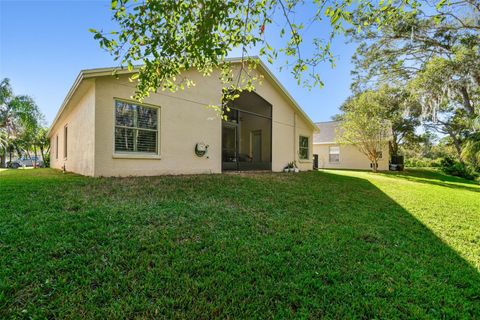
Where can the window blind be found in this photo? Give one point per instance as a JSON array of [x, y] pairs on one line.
[[136, 128]]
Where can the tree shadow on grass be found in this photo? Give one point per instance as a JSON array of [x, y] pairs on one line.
[[437, 178], [385, 262], [434, 173], [310, 245]]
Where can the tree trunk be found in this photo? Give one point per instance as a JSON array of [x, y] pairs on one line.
[[3, 158], [393, 147], [18, 150], [466, 101], [458, 146], [35, 154], [374, 163]]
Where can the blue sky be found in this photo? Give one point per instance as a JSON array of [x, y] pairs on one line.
[[44, 44]]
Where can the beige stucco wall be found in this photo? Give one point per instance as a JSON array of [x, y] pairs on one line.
[[350, 158], [184, 121], [79, 117]]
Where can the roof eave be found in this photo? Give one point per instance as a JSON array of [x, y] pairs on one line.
[[70, 93], [98, 72], [82, 75]]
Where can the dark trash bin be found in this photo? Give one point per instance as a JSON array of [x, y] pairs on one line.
[[396, 163]]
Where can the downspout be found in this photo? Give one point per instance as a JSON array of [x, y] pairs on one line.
[[294, 136]]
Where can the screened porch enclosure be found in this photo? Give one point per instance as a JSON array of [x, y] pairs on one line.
[[247, 134]]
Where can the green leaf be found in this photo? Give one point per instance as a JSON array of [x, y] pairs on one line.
[[440, 4]]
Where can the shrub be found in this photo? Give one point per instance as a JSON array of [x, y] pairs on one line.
[[46, 160], [422, 162], [459, 169]]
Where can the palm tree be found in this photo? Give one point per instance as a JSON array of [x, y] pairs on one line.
[[17, 113]]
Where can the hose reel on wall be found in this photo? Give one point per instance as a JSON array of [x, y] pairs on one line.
[[201, 149]]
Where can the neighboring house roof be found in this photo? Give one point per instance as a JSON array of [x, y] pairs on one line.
[[326, 133], [99, 72]]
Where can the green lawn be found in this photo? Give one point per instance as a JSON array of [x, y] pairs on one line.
[[333, 244]]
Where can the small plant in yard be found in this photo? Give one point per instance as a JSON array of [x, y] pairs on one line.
[[291, 167]]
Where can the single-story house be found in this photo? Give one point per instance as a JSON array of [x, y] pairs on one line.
[[328, 154], [100, 131]]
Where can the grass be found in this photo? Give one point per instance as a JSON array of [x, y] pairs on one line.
[[331, 244]]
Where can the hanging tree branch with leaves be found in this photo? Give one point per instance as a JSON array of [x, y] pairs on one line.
[[170, 36]]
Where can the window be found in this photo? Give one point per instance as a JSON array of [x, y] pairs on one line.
[[136, 128], [56, 146], [65, 141], [334, 154], [379, 154], [303, 148]]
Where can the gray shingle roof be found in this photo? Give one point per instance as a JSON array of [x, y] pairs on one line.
[[327, 131]]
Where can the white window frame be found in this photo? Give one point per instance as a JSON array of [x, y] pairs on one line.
[[300, 147], [330, 153], [136, 154], [56, 147], [65, 142]]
